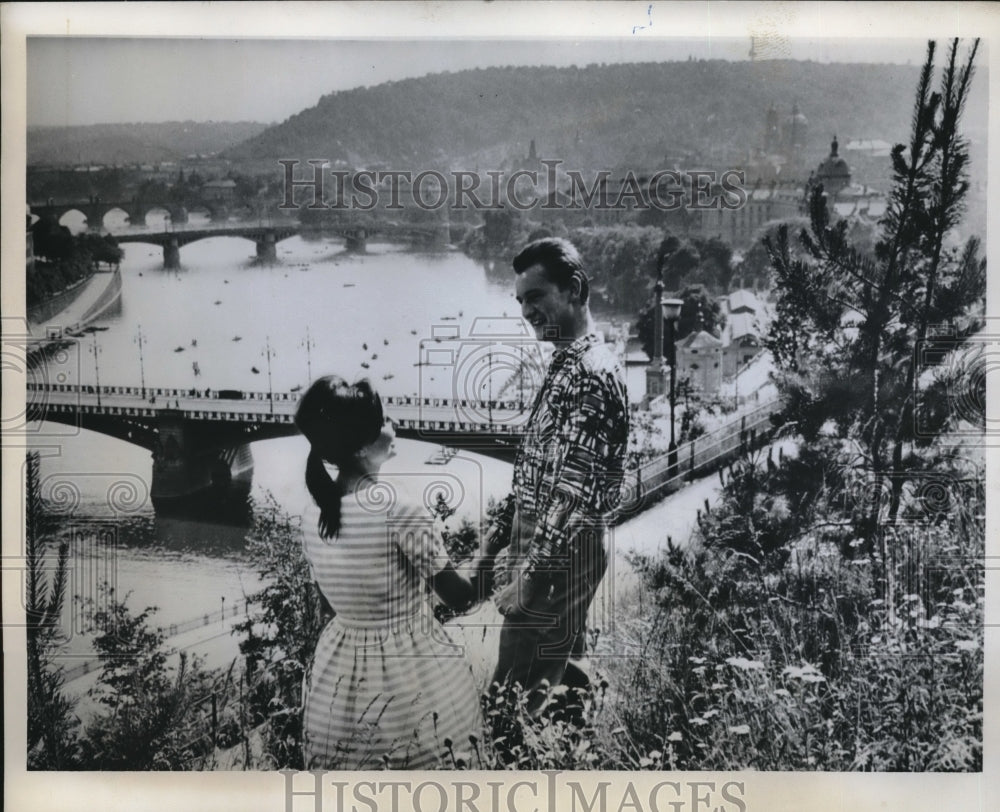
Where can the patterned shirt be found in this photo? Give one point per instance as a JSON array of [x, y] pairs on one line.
[[570, 464]]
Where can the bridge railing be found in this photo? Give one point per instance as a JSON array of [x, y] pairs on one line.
[[451, 403], [161, 391], [520, 406], [161, 397]]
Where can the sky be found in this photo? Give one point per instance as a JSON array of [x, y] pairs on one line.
[[91, 80]]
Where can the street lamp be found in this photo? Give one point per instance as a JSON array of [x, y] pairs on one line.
[[309, 344], [671, 312], [142, 370], [270, 390], [96, 350]]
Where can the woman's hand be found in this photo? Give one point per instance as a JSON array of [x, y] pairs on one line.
[[516, 598]]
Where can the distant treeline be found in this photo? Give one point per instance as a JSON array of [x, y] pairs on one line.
[[118, 144], [605, 115]]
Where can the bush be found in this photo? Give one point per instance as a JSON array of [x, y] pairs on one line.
[[283, 624], [154, 718]]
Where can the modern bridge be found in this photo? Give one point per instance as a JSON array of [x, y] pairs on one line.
[[199, 438]]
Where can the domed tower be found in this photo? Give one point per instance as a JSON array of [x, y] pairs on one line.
[[833, 172], [796, 130]]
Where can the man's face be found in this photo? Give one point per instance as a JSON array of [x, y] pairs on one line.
[[547, 308]]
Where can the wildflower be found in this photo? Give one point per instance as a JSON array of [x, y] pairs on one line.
[[744, 664], [676, 736], [740, 730], [806, 673], [966, 645]]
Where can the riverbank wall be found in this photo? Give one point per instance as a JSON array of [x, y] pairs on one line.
[[99, 296], [52, 307]]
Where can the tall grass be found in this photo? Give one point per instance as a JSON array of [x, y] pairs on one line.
[[812, 653]]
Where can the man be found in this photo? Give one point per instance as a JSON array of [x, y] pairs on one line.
[[567, 479]]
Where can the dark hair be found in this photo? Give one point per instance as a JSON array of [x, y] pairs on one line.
[[338, 419], [561, 261]]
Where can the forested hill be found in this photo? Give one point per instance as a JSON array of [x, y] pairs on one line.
[[119, 144], [598, 115]]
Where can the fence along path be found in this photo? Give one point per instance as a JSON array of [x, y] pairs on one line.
[[171, 630], [696, 458]]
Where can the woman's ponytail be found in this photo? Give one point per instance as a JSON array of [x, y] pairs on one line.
[[326, 493], [338, 419]]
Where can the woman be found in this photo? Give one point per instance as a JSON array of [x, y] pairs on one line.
[[387, 687]]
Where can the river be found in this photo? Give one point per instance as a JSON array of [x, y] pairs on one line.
[[222, 321]]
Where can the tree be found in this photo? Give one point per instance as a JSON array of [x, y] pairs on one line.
[[700, 311], [716, 262], [283, 624], [849, 324], [51, 240], [100, 248], [52, 728], [678, 264], [499, 226], [153, 720], [621, 261]]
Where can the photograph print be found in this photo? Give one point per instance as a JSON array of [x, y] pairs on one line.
[[473, 404]]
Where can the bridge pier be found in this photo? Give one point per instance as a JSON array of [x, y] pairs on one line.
[[95, 218], [441, 236], [172, 254], [191, 470], [356, 241], [267, 250]]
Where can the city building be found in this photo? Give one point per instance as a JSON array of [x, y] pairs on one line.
[[219, 190], [699, 359], [833, 173], [741, 337]]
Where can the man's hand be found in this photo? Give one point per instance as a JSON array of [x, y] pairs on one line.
[[493, 542], [515, 598]]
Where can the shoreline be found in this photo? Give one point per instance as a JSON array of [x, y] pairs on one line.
[[95, 297]]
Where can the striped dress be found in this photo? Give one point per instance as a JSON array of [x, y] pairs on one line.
[[387, 685]]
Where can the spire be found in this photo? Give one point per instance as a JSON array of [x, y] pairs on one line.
[[834, 146]]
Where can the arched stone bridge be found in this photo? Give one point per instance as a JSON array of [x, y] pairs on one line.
[[264, 237], [95, 210]]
